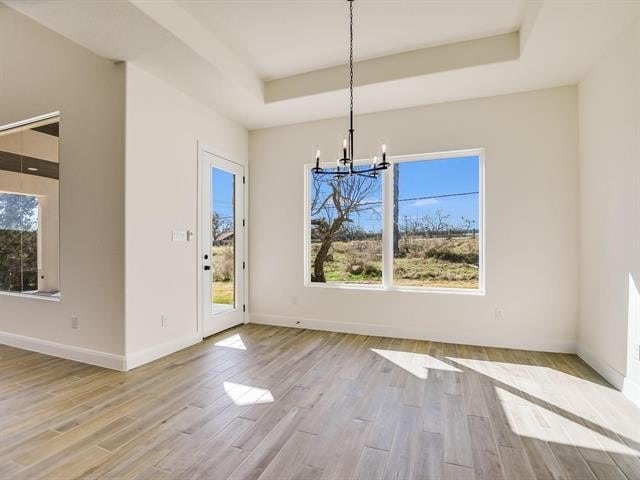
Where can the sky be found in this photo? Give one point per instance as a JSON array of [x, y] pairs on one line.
[[433, 178], [222, 189], [427, 178]]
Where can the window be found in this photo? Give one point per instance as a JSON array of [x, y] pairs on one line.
[[29, 218], [346, 230], [418, 226]]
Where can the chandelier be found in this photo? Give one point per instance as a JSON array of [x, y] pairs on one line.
[[344, 165]]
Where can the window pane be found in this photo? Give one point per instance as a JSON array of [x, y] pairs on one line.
[[346, 230], [29, 218], [436, 220], [223, 235]]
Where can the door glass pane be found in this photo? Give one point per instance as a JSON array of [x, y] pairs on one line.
[[223, 251]]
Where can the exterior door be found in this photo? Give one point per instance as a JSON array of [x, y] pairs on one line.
[[221, 243]]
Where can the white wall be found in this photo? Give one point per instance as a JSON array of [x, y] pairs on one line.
[[164, 127], [41, 72], [609, 102], [531, 143]]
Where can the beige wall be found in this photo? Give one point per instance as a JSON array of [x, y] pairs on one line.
[[41, 72], [164, 127], [531, 143], [609, 99]]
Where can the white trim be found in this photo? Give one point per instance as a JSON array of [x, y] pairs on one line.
[[29, 121], [402, 289], [612, 375], [387, 226], [203, 308], [155, 352], [467, 338], [78, 354], [387, 284], [49, 298], [631, 390]]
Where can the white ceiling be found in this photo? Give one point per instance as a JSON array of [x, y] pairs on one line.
[[282, 38], [231, 54]]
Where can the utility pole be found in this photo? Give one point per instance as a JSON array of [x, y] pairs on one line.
[[396, 213]]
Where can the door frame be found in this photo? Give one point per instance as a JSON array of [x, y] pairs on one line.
[[201, 232]]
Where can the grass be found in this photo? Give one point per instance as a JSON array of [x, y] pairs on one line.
[[421, 262], [222, 292]]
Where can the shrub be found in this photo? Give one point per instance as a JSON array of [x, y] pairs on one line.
[[223, 264]]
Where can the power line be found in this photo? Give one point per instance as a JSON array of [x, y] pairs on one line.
[[413, 199]]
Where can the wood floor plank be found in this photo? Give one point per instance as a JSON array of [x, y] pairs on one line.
[[371, 465], [457, 441], [486, 461], [263, 402]]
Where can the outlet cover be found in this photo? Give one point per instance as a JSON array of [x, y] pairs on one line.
[[74, 322]]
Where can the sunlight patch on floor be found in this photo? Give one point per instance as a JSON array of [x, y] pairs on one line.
[[535, 421], [417, 364], [234, 341], [539, 381], [246, 394]]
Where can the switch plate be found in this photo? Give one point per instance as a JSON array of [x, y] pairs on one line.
[[163, 320], [179, 236]]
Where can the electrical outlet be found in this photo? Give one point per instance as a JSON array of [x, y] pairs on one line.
[[74, 322], [164, 320], [499, 314], [294, 300], [636, 352]]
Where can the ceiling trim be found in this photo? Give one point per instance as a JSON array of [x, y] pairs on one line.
[[183, 26], [415, 63]]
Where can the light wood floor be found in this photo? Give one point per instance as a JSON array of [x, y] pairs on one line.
[[278, 404]]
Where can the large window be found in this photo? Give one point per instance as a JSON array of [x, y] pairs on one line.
[[418, 226], [29, 225]]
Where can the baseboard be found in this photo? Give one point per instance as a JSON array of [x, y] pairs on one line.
[[79, 354], [136, 359], [612, 375], [467, 338]]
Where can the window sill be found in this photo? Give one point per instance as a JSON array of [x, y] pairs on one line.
[[379, 288], [31, 295]]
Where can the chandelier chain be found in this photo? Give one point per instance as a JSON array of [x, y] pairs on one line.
[[351, 58], [345, 165]]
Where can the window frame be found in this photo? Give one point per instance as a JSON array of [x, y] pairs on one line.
[[58, 296], [387, 284]]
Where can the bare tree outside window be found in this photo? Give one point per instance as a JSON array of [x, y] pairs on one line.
[[341, 211], [435, 236]]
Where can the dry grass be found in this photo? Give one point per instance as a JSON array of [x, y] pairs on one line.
[[222, 293], [421, 262], [222, 260]]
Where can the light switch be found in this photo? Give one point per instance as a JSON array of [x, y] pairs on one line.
[[179, 236]]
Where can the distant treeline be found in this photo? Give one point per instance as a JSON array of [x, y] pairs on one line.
[[18, 260]]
